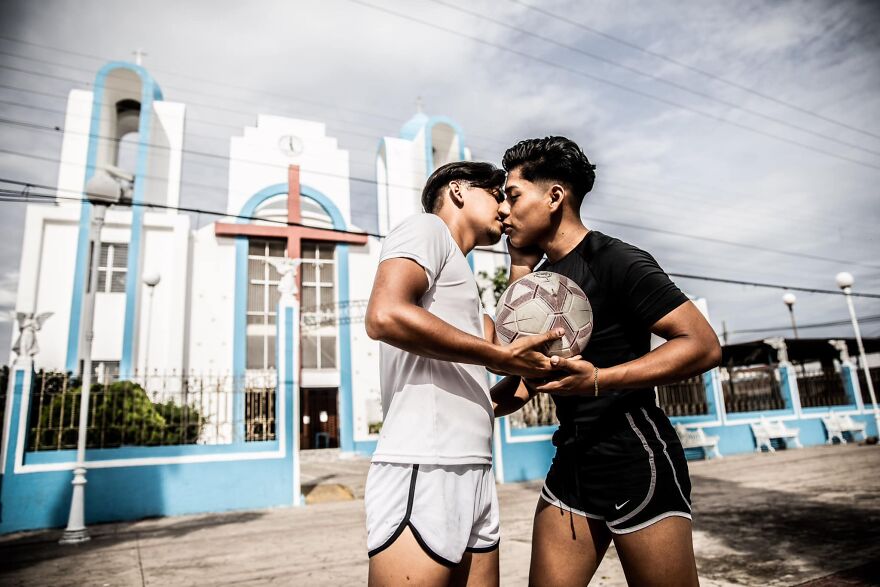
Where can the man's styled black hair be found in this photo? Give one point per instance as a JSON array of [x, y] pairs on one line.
[[552, 159], [474, 173]]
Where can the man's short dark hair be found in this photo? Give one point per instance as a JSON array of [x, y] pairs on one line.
[[474, 173], [552, 159]]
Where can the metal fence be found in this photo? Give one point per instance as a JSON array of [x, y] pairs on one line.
[[685, 398], [540, 411], [820, 388], [751, 389], [863, 384], [154, 410]]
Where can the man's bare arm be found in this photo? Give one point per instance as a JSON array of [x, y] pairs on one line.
[[509, 395], [394, 317], [691, 348]]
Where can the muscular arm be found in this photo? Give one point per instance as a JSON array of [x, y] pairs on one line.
[[395, 317], [510, 393], [691, 348]]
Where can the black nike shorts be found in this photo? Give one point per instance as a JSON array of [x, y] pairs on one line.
[[630, 474]]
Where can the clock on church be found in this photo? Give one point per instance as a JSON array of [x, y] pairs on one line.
[[290, 145]]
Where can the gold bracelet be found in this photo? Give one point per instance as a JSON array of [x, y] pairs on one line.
[[596, 380]]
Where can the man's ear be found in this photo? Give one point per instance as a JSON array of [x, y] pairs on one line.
[[455, 193], [557, 197]]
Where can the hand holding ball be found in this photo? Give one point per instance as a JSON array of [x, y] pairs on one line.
[[542, 301]]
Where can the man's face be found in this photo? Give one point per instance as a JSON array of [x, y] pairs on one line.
[[526, 210], [482, 208]]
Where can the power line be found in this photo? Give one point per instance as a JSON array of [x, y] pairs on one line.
[[768, 285], [26, 195], [617, 85], [865, 320], [225, 140], [285, 97], [653, 77], [591, 217], [374, 182], [703, 72], [346, 131]]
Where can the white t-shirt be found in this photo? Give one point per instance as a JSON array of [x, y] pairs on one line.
[[436, 412]]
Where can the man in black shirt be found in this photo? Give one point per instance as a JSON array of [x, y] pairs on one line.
[[619, 472]]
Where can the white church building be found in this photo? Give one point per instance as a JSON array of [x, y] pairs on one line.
[[213, 310]]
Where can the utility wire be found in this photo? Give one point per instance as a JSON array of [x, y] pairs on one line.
[[594, 218], [553, 64], [567, 20], [701, 200], [862, 320], [346, 131], [625, 88], [26, 195], [656, 78]]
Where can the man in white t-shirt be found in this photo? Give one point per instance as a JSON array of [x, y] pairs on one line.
[[432, 510]]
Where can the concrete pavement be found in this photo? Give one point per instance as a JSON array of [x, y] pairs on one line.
[[763, 519]]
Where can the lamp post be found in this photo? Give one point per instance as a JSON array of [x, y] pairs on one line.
[[102, 191], [151, 280], [845, 282], [789, 299]]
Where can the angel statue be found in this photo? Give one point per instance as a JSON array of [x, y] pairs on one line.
[[286, 268], [28, 325]]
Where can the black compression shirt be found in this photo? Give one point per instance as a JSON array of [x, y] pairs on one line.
[[629, 292]]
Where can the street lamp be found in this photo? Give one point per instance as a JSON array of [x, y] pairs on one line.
[[103, 189], [789, 299], [845, 282], [151, 280]]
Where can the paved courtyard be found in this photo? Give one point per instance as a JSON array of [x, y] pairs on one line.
[[788, 518]]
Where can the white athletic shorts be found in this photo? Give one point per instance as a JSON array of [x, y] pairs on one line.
[[450, 509]]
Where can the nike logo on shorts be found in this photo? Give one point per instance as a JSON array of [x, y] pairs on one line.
[[617, 507]]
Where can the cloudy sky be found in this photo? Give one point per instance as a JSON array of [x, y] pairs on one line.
[[733, 140]]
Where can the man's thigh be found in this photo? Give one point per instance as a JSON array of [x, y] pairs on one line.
[[660, 555], [405, 562], [566, 547], [478, 569]]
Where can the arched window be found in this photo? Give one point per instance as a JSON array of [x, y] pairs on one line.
[[128, 113]]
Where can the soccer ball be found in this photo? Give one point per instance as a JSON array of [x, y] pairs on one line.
[[541, 301]]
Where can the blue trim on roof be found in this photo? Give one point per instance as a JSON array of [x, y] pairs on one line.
[[150, 92]]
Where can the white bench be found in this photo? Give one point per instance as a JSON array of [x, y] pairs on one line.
[[837, 424], [766, 430], [698, 439]]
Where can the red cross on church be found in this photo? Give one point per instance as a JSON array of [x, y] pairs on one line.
[[293, 233]]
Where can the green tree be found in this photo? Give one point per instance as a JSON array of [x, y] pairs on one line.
[[498, 282], [120, 414]]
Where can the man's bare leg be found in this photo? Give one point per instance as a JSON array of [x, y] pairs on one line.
[[660, 555], [561, 556], [406, 563], [478, 569]]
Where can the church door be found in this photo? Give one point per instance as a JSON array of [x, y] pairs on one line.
[[320, 417]]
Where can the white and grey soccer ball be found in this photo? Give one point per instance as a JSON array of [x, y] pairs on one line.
[[542, 301]]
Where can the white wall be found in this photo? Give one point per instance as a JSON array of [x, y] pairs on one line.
[[166, 156], [74, 146], [46, 277], [166, 252], [211, 308], [258, 161], [400, 181], [366, 395]]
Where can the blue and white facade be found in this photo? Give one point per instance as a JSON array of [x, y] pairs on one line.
[[216, 310]]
